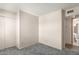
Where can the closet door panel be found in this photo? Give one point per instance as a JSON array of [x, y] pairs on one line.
[[10, 32], [2, 37]]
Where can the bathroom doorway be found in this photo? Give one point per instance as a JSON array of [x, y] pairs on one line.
[[76, 31], [72, 32]]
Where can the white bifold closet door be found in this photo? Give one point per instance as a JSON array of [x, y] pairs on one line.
[[7, 32], [10, 32], [2, 30]]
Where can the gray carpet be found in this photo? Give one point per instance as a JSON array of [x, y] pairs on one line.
[[37, 49]]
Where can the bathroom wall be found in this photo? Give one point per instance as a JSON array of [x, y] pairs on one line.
[[28, 29], [50, 29]]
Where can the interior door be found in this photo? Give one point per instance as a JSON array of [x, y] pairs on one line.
[[10, 32], [2, 34]]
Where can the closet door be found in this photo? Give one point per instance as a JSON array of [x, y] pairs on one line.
[[10, 32], [2, 36]]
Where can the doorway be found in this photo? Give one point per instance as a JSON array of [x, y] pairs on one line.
[[76, 31], [72, 32]]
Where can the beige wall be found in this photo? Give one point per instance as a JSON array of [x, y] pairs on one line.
[[50, 29], [63, 28], [7, 14], [75, 9], [28, 29], [18, 29]]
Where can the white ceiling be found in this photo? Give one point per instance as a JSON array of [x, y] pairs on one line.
[[36, 8]]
